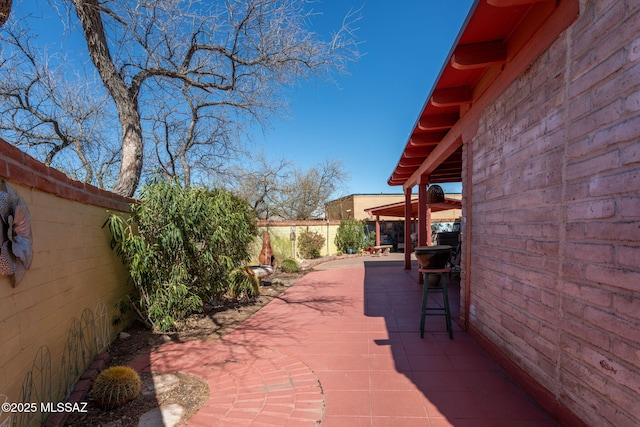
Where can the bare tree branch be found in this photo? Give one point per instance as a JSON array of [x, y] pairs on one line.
[[217, 65]]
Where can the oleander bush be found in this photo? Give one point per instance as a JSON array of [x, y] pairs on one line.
[[180, 246]]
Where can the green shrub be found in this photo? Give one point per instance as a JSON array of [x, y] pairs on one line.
[[310, 243], [180, 246], [289, 265], [351, 235]]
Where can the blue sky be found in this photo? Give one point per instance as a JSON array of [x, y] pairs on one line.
[[365, 118]]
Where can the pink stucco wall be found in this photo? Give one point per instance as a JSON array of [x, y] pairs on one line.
[[555, 223]]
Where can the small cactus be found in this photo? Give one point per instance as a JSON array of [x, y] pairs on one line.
[[116, 386], [289, 265]]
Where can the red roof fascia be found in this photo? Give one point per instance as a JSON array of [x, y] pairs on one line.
[[494, 34]]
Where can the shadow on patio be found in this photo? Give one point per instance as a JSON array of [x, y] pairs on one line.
[[457, 384]]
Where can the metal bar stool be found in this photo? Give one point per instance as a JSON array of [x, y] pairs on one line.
[[441, 288]]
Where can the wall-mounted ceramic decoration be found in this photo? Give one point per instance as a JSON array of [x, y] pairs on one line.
[[16, 252]]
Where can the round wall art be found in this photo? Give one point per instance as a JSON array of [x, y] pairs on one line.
[[16, 251]]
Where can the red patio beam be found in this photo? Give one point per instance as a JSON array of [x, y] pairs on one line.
[[479, 55], [438, 121], [509, 3], [452, 97]]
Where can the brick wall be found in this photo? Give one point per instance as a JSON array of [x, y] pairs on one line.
[[61, 314], [555, 221]]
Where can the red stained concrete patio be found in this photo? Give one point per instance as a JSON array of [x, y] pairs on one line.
[[342, 348]]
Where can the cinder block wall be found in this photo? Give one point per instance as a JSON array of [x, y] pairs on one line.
[[60, 315], [281, 229], [555, 251]]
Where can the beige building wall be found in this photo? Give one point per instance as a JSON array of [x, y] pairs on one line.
[[366, 201], [60, 315], [354, 206]]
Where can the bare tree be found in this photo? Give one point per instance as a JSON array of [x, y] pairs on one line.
[[199, 137], [48, 112], [278, 190], [307, 191], [215, 55], [262, 185]]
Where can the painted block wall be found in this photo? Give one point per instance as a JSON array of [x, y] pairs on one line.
[[61, 314], [555, 217], [283, 229]]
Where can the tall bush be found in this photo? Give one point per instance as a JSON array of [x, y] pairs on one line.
[[180, 246], [351, 235], [310, 244]]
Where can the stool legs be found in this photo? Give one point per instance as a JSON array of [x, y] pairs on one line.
[[445, 297], [425, 295]]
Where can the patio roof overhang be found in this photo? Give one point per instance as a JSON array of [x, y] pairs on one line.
[[498, 40], [397, 209]]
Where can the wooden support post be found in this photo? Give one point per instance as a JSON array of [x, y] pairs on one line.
[[407, 228], [422, 213]]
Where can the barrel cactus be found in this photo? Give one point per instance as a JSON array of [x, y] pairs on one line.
[[116, 386], [289, 265]]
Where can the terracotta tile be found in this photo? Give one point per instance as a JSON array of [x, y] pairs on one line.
[[453, 405], [426, 346], [333, 338], [347, 351], [457, 422], [458, 345], [344, 421], [396, 361], [430, 362], [391, 380], [300, 423], [399, 421], [330, 362], [397, 403], [473, 362], [340, 402], [513, 406], [344, 380], [435, 381], [381, 347], [489, 382]]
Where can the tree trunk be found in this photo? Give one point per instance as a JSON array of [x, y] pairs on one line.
[[186, 168], [5, 8], [126, 99]]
